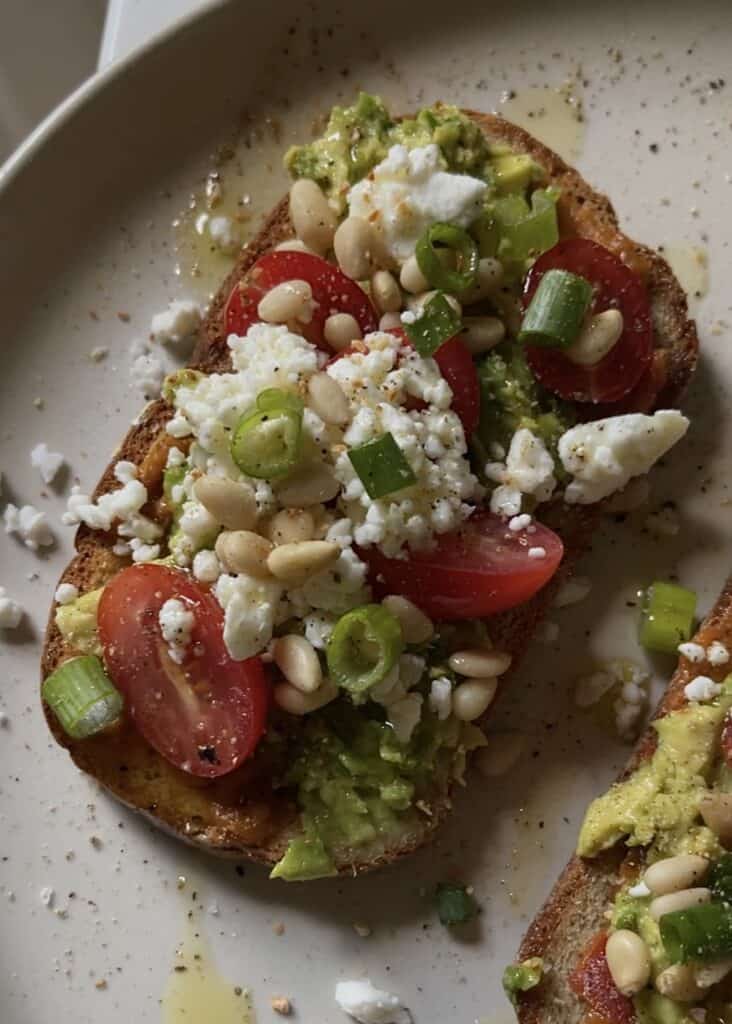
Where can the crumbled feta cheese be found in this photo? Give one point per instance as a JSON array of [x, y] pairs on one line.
[[702, 689], [369, 1005], [529, 469], [47, 896], [408, 192], [717, 653], [197, 529], [318, 627], [639, 891], [147, 374], [631, 683], [573, 591], [224, 234], [206, 566], [11, 612], [29, 524], [337, 589], [177, 323], [176, 458], [250, 608], [100, 515], [692, 652], [176, 626], [46, 462], [518, 523], [440, 698], [142, 552], [603, 455], [125, 471], [66, 593], [537, 552]]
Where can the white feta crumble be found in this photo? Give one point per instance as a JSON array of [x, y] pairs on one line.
[[639, 891], [250, 609], [537, 552], [518, 523], [408, 192], [147, 374], [47, 896], [604, 455], [692, 652], [11, 613], [370, 1005], [206, 566], [176, 626], [29, 524], [224, 233], [46, 462], [318, 628], [197, 529], [175, 458], [66, 593], [440, 698], [528, 469], [702, 689], [573, 591], [177, 323], [717, 653]]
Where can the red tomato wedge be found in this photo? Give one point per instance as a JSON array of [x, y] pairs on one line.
[[592, 982], [615, 286], [477, 571], [205, 715], [333, 292]]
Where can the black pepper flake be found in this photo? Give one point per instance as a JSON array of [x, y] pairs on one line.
[[180, 968], [653, 147]]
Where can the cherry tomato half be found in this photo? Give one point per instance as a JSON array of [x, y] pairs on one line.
[[615, 286], [592, 982], [333, 292], [479, 570], [205, 715]]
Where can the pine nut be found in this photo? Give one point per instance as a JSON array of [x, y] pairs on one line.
[[389, 321], [311, 215], [628, 961], [411, 277], [312, 485], [707, 975], [243, 551], [298, 662], [295, 245], [327, 399], [488, 279], [679, 982], [596, 338], [477, 662], [291, 300], [675, 873], [482, 333], [417, 628], [385, 293], [291, 525], [678, 901], [292, 700], [295, 563], [357, 248], [716, 810], [232, 504], [417, 302], [340, 330], [471, 698], [503, 751]]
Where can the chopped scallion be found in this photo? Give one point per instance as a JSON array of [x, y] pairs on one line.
[[363, 648], [381, 466], [526, 231], [466, 252], [82, 697], [557, 310], [268, 438], [667, 617], [455, 905], [436, 324]]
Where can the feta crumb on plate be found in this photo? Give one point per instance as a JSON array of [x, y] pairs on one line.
[[147, 374], [47, 463], [370, 1005], [11, 612], [177, 323], [29, 524]]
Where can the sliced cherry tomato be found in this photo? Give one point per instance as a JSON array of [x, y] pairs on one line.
[[591, 980], [205, 715], [615, 286], [479, 570], [333, 292]]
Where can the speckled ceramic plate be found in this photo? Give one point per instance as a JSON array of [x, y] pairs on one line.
[[88, 254]]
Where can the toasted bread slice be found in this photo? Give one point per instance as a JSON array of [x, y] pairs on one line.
[[240, 814], [575, 909]]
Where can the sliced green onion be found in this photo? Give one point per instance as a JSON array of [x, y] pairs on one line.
[[486, 232], [363, 648], [526, 232], [464, 247], [557, 310], [82, 697], [436, 324], [268, 438], [699, 933], [720, 878], [381, 466], [667, 617], [454, 904]]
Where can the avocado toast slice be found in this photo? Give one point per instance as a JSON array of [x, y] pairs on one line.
[[624, 832], [241, 813]]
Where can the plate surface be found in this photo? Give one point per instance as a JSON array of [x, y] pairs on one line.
[[85, 228]]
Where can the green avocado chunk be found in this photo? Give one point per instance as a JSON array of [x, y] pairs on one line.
[[306, 858], [522, 977], [77, 622]]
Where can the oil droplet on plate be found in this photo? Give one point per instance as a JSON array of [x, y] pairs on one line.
[[553, 115], [195, 991], [691, 266]]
